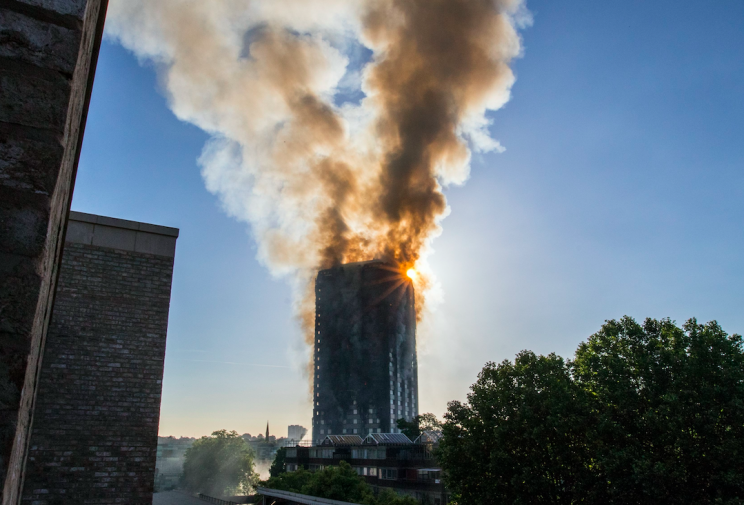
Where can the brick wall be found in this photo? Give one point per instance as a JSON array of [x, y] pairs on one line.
[[94, 433]]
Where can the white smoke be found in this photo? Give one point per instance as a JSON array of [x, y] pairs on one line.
[[309, 176]]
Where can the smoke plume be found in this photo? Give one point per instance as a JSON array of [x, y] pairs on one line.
[[320, 180]]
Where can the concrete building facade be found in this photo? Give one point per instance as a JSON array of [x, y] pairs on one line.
[[48, 54], [296, 432], [365, 366], [94, 432]]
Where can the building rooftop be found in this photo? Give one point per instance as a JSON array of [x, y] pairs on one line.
[[387, 439], [377, 439], [336, 440], [355, 264], [429, 437], [114, 233]]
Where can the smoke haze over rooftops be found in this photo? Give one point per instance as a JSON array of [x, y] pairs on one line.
[[321, 183]]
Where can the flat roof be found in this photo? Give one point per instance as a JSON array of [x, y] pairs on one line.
[[121, 234], [115, 222]]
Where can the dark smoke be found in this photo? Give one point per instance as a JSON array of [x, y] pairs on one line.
[[322, 184]]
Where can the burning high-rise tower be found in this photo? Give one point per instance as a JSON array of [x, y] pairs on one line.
[[365, 368]]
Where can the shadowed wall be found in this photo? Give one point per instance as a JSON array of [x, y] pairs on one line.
[[94, 435], [48, 51]]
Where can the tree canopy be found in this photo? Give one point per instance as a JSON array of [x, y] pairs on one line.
[[279, 465], [335, 483], [419, 424], [643, 413], [218, 465]]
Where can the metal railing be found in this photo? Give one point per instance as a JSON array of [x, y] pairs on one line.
[[216, 501], [299, 498]]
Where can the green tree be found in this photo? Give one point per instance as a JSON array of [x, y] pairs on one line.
[[644, 413], [335, 483], [279, 465], [419, 424], [520, 438], [290, 481], [429, 422], [389, 497], [669, 411], [339, 483], [408, 428], [218, 465]]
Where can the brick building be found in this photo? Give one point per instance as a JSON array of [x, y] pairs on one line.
[[94, 432]]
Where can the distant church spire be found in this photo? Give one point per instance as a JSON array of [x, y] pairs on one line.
[[267, 430]]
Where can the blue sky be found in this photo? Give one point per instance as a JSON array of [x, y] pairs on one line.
[[621, 191]]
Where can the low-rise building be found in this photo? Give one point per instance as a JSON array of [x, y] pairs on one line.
[[385, 460]]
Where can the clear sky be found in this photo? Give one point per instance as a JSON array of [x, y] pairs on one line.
[[621, 191]]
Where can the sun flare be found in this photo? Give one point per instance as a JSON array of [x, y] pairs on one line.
[[411, 273]]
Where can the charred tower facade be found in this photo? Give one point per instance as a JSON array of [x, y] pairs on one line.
[[365, 367]]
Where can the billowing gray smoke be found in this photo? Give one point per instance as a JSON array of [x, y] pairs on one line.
[[320, 183]]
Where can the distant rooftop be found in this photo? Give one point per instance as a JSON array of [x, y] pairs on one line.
[[371, 439], [387, 439], [342, 440]]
